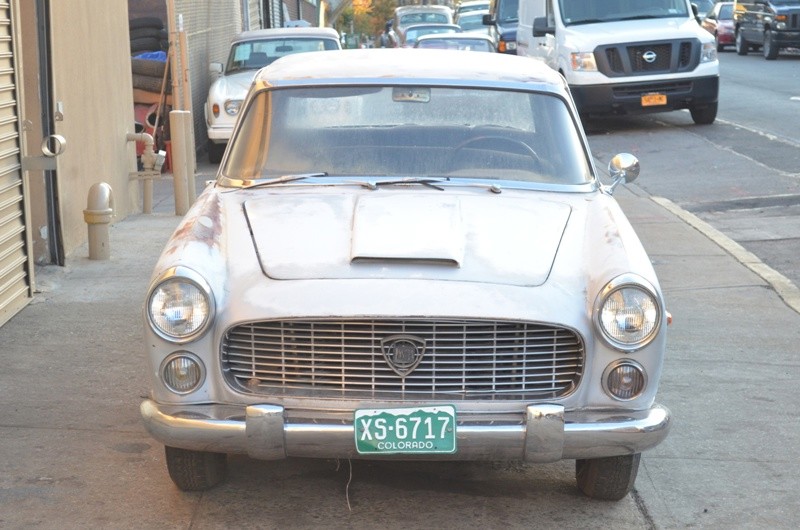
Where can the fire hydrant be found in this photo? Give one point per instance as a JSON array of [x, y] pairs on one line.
[[98, 213]]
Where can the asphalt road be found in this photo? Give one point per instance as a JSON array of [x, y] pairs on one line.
[[740, 174]]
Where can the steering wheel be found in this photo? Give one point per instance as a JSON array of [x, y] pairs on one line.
[[501, 143]]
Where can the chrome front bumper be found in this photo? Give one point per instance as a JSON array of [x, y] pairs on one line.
[[548, 434]]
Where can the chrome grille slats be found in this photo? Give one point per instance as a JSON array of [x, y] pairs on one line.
[[465, 358]]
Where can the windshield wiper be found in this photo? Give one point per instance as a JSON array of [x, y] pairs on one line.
[[586, 21], [426, 181], [283, 179]]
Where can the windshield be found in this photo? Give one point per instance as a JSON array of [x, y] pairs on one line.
[[251, 55], [403, 131], [507, 11], [594, 11], [419, 18]]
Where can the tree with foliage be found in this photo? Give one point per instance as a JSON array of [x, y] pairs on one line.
[[380, 11]]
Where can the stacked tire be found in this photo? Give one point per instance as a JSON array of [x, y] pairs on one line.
[[147, 34]]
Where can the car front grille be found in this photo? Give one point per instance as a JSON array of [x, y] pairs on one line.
[[631, 59], [461, 359]]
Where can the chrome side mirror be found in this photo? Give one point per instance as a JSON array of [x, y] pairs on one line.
[[624, 167]]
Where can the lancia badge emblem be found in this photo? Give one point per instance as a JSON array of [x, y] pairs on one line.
[[649, 56], [403, 353]]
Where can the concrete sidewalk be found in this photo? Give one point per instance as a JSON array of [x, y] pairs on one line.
[[75, 454]]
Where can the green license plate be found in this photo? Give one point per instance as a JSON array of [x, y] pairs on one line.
[[417, 430]]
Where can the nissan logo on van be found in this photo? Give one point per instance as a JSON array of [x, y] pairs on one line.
[[649, 56]]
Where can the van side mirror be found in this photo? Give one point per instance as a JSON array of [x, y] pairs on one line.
[[488, 20], [540, 27], [215, 68]]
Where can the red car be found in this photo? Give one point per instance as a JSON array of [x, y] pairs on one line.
[[719, 22]]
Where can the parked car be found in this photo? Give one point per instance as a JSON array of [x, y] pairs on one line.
[[405, 16], [456, 41], [250, 51], [473, 21], [703, 7], [769, 25], [622, 57], [502, 22], [719, 22], [412, 33], [471, 5], [407, 255]]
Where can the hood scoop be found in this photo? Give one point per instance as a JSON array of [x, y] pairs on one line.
[[390, 229]]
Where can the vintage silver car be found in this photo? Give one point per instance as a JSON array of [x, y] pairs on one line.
[[407, 254], [250, 51]]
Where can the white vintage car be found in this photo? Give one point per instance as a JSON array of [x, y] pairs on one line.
[[407, 254], [250, 51]]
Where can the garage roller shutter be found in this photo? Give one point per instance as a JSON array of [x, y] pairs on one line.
[[15, 289]]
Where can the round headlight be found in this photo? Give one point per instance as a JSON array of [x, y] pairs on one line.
[[182, 373], [628, 315], [179, 309], [624, 380], [232, 106]]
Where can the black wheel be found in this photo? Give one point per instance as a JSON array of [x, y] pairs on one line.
[[501, 143], [145, 44], [770, 49], [720, 47], [195, 470], [145, 22], [215, 152], [741, 44], [607, 479], [704, 115]]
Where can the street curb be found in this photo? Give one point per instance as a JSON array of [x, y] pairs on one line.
[[788, 291]]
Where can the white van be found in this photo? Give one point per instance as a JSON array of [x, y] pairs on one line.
[[625, 56]]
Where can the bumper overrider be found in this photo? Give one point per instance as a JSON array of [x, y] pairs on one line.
[[547, 433]]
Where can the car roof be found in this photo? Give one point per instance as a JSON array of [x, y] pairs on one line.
[[381, 66], [275, 33], [464, 35], [431, 25], [422, 9]]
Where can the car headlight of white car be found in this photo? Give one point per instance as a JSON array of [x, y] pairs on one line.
[[231, 107], [180, 307], [583, 62], [628, 313], [709, 53]]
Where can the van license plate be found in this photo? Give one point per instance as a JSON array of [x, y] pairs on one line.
[[652, 100], [417, 430]]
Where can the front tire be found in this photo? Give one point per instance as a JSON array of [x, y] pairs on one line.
[[704, 115], [607, 479], [215, 152], [195, 470], [770, 49], [741, 44]]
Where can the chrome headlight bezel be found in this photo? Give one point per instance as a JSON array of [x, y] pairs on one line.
[[641, 378], [617, 285], [232, 106], [196, 362], [192, 280]]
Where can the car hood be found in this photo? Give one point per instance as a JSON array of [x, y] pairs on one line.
[[486, 238], [233, 86], [586, 37]]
